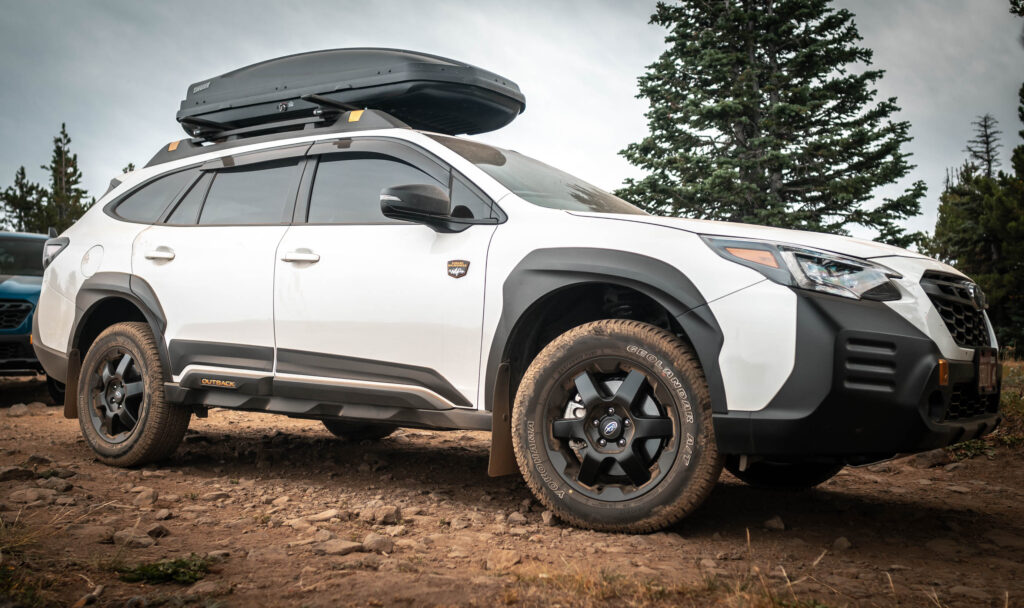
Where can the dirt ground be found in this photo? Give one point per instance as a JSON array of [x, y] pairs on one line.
[[280, 513]]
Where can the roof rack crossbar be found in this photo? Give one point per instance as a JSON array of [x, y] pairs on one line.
[[281, 125], [323, 102]]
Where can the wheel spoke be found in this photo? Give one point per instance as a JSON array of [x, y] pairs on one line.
[[651, 427], [589, 393], [635, 469], [106, 374], [631, 390], [107, 423], [133, 389], [568, 428], [590, 468], [123, 364], [127, 417]]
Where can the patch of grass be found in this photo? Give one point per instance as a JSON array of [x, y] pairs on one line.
[[972, 448], [184, 570], [18, 589], [1010, 433]]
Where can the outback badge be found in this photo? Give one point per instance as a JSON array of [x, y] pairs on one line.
[[458, 268]]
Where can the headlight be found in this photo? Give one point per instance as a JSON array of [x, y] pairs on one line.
[[811, 269]]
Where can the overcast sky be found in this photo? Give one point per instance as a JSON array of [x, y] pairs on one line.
[[116, 70]]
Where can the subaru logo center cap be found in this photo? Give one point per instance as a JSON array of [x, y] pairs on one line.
[[610, 427]]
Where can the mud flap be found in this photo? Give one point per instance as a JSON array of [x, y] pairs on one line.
[[502, 458], [71, 386]]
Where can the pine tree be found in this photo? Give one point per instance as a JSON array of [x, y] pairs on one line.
[[66, 201], [985, 146], [759, 114], [980, 230], [24, 204]]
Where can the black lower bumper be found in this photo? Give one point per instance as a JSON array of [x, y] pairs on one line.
[[17, 357], [865, 386]]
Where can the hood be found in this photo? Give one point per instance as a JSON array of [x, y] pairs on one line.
[[843, 245], [19, 286]]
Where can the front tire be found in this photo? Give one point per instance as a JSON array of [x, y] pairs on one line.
[[56, 389], [793, 476], [121, 407], [612, 428]]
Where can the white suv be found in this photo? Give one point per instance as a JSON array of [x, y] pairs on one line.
[[374, 276]]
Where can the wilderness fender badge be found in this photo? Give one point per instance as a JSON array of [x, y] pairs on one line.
[[458, 268]]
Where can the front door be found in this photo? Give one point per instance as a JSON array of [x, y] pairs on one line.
[[389, 311]]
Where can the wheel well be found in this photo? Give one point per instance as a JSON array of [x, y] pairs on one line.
[[563, 309], [102, 315]]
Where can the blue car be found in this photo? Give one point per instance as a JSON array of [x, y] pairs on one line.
[[21, 277]]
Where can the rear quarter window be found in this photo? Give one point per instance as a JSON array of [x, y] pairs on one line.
[[148, 203]]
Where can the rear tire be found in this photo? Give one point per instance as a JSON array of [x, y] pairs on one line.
[[612, 428], [56, 390], [357, 431], [121, 407], [793, 476]]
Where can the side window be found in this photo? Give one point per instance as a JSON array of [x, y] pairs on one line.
[[347, 187], [188, 208], [255, 194], [147, 203], [467, 201]]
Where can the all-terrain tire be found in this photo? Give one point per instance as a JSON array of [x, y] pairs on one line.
[[357, 431], [792, 476], [684, 469], [159, 426]]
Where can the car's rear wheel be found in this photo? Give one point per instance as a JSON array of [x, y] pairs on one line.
[[769, 475], [56, 389], [121, 407], [357, 431], [612, 428]]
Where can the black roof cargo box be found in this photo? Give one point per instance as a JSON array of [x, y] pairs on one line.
[[424, 91]]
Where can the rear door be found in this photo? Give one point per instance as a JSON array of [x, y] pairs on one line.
[[211, 261], [387, 312]]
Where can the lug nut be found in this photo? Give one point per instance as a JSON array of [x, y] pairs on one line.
[[602, 442], [622, 442], [626, 422], [596, 422], [611, 410]]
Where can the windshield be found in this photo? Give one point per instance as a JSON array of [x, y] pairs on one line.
[[21, 256], [536, 182]]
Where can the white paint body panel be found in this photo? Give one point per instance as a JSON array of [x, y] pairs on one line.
[[220, 285], [382, 292]]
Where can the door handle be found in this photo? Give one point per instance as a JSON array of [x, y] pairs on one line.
[[300, 256], [160, 253]]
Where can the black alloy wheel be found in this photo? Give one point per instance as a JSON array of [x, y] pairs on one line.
[[116, 395]]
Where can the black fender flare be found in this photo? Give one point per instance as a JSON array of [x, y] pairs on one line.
[[94, 291], [545, 271]]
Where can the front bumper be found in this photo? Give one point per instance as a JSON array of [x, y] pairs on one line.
[[865, 386]]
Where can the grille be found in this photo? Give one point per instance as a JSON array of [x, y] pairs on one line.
[[13, 313], [956, 299], [15, 350], [967, 403]]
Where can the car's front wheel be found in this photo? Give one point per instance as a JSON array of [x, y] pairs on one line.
[[121, 407], [612, 427]]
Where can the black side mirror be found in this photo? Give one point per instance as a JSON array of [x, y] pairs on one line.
[[420, 203]]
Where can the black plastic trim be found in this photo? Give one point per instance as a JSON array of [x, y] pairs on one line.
[[218, 354], [353, 368], [545, 271], [864, 386]]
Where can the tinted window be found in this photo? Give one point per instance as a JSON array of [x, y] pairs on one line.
[[147, 203], [467, 202], [188, 208], [256, 194], [347, 188], [21, 256]]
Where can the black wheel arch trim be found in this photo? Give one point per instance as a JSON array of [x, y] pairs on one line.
[[546, 271], [104, 286]]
